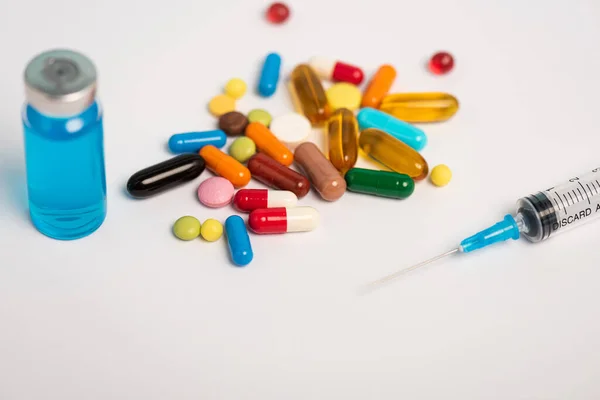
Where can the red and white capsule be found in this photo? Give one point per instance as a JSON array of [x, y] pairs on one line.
[[336, 71], [246, 200], [283, 220]]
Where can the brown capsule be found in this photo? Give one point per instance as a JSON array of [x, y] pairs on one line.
[[278, 176], [233, 123], [322, 174]]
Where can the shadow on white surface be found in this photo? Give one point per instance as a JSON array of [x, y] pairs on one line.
[[13, 184]]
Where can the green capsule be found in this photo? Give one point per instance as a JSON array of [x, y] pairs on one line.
[[380, 183]]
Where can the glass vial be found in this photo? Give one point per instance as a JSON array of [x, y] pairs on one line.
[[64, 145]]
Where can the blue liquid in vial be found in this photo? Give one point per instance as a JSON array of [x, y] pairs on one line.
[[66, 179]]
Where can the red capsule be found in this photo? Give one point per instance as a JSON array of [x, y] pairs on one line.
[[273, 174], [282, 220], [336, 71], [246, 200]]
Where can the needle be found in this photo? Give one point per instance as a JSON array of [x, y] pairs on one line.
[[397, 274]]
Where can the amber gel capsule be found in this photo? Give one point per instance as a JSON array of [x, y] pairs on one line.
[[379, 86], [420, 107], [308, 94], [278, 176], [342, 131], [393, 153], [380, 183], [323, 176]]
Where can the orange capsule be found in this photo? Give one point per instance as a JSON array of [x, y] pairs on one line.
[[269, 144], [224, 165], [379, 86]]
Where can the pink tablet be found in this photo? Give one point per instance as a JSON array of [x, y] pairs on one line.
[[215, 192]]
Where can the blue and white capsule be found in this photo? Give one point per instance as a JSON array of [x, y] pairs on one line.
[[269, 77], [238, 240], [405, 132], [192, 142]]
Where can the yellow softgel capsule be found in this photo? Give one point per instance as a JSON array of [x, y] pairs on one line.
[[441, 175], [394, 154], [342, 132], [308, 95], [420, 107], [344, 95], [211, 230], [221, 104], [235, 88]]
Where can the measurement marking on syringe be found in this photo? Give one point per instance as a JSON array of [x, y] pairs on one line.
[[595, 190], [571, 197], [561, 202], [557, 205], [566, 200], [588, 199], [588, 186], [586, 193]]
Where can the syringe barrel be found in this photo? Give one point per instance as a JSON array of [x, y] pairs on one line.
[[562, 207]]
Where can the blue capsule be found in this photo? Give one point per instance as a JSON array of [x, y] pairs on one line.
[[238, 240], [269, 76], [407, 133], [191, 142]]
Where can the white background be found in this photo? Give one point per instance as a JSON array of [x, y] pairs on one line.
[[132, 313]]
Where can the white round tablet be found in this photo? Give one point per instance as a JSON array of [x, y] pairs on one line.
[[291, 129]]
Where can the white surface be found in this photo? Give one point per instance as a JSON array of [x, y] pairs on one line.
[[132, 313]]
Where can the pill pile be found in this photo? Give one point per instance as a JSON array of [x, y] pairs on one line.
[[265, 147]]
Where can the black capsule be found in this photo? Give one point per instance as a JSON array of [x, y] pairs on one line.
[[165, 175]]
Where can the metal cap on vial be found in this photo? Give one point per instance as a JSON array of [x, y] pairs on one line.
[[60, 82]]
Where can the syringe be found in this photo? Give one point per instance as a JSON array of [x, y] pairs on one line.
[[538, 217]]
